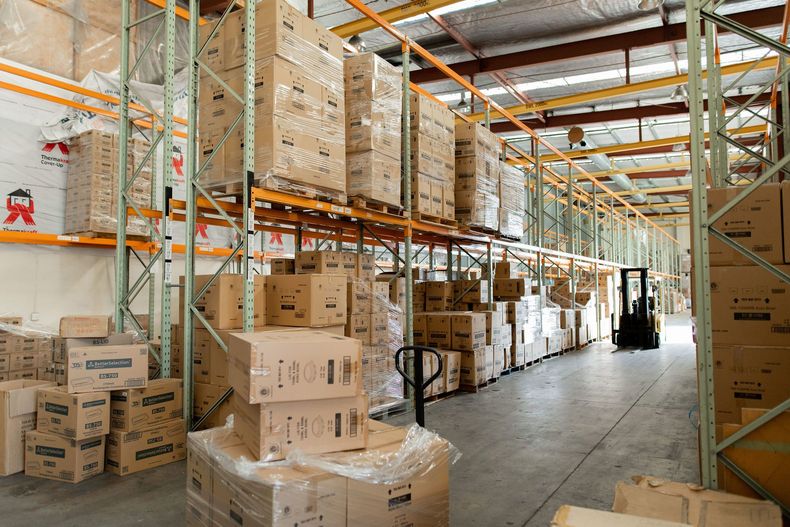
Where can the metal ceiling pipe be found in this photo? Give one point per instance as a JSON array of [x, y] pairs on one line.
[[578, 141]]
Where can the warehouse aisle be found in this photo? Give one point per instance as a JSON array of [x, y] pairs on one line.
[[567, 430]]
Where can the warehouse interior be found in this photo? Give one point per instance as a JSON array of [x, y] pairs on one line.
[[535, 254]]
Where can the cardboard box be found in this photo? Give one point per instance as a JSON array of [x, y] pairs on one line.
[[136, 409], [473, 370], [471, 291], [420, 329], [438, 296], [439, 330], [275, 366], [468, 331], [73, 415], [573, 516], [87, 326], [102, 368], [55, 457], [29, 374], [272, 430], [749, 305], [223, 303], [27, 360], [320, 262], [359, 327], [283, 265], [421, 193], [505, 269], [366, 266], [306, 300], [17, 416], [509, 288], [786, 218], [358, 297], [375, 176], [130, 452], [61, 346], [204, 397], [753, 223], [451, 370], [380, 297], [749, 377]]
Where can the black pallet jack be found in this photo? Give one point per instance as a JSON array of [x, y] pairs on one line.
[[417, 382], [637, 325]]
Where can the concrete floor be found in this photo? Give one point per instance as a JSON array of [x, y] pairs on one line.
[[561, 432]]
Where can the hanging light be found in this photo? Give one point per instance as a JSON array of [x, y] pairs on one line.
[[357, 43], [679, 147], [649, 5], [462, 104], [680, 93]]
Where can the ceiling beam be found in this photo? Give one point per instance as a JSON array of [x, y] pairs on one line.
[[660, 205], [608, 116], [655, 190], [651, 175], [401, 12], [755, 19], [666, 149]]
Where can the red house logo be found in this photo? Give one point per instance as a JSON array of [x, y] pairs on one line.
[[19, 204]]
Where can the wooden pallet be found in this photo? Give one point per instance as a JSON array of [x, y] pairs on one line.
[[359, 202], [475, 389], [438, 220], [294, 189], [439, 397], [108, 236]]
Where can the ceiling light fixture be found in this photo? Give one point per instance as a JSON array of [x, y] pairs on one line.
[[357, 43], [680, 93], [649, 5], [679, 147], [462, 104]]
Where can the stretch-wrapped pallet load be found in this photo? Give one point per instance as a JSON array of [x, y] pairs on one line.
[[511, 201], [92, 184], [25, 351], [477, 169], [374, 105], [299, 104], [432, 158]]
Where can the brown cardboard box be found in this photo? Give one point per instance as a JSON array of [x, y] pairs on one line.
[[518, 355], [749, 306], [87, 326], [205, 395], [29, 374], [321, 262], [136, 409], [366, 267], [439, 330], [567, 318], [27, 359], [283, 266], [17, 416], [384, 331], [749, 377], [358, 297], [76, 416], [573, 516], [421, 193], [451, 370], [473, 367], [509, 288], [55, 457], [420, 329], [438, 295], [274, 366], [130, 452], [468, 331], [516, 312], [223, 304], [786, 218], [471, 291], [61, 346], [22, 344], [272, 430], [358, 327], [374, 175], [380, 297], [505, 269], [753, 223], [102, 368], [214, 54], [306, 300]]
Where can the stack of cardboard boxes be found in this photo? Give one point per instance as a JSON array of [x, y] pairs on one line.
[[433, 183], [750, 316], [477, 167], [524, 308], [299, 103], [380, 485], [511, 201], [92, 184], [374, 93], [23, 354]]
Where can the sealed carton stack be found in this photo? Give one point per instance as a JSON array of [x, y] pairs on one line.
[[24, 353], [432, 158], [92, 184], [222, 308], [749, 318], [297, 389], [511, 201], [401, 478], [523, 313], [374, 105], [477, 168], [299, 104]]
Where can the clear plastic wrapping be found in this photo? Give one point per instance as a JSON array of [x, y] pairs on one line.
[[381, 380], [511, 224], [477, 177], [92, 184], [511, 188], [26, 351], [375, 176], [225, 485]]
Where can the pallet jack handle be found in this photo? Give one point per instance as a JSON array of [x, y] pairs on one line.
[[417, 382]]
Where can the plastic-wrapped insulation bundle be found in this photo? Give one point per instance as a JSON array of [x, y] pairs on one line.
[[227, 486]]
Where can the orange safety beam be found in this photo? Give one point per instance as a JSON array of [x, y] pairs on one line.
[[180, 11]]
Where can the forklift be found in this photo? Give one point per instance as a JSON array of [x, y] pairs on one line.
[[638, 325]]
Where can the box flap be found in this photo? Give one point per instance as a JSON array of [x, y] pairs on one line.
[[570, 516], [22, 396]]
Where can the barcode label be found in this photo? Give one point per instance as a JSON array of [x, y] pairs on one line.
[[353, 422], [135, 382], [346, 370], [780, 329]]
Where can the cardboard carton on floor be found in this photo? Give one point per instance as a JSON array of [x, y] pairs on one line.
[[17, 416], [134, 409], [102, 368], [73, 415], [130, 452], [272, 430], [85, 326], [439, 329], [572, 516], [56, 457], [473, 370], [468, 331], [294, 365]]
